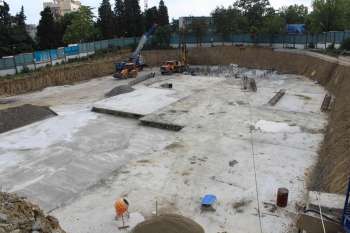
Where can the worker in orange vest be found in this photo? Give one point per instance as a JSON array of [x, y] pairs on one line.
[[121, 207]]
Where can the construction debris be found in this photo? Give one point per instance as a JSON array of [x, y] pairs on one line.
[[277, 97], [20, 216], [167, 85], [142, 78], [13, 118]]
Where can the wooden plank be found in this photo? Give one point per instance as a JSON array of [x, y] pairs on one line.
[[277, 97]]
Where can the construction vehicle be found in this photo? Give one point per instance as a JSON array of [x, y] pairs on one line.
[[125, 69], [170, 67]]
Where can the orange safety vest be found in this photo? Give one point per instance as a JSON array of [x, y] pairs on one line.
[[121, 207]]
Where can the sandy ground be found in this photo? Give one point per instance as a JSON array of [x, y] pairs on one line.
[[233, 145]]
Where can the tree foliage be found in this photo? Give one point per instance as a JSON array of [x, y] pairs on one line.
[[47, 29], [163, 16], [13, 37], [199, 27], [133, 18], [329, 15], [294, 14], [105, 21], [82, 28], [151, 17], [119, 14], [254, 10]]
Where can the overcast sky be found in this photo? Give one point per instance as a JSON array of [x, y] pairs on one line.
[[177, 8]]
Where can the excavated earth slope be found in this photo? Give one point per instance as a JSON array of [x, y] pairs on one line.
[[20, 216]]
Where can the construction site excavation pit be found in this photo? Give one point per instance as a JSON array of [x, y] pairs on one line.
[[231, 144]]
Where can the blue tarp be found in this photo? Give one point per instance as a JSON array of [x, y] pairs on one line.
[[41, 56], [71, 50], [295, 28]]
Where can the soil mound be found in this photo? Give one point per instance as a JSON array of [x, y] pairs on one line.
[[18, 215], [119, 90], [16, 117], [168, 224]]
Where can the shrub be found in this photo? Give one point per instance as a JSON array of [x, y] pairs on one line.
[[311, 45], [346, 44]]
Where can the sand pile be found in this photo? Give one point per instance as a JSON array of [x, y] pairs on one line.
[[123, 89], [168, 224], [13, 118], [19, 216]]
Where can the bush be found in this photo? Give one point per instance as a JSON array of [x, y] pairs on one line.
[[346, 44], [311, 45], [331, 46]]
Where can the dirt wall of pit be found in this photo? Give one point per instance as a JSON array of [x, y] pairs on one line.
[[332, 171], [76, 72], [60, 75]]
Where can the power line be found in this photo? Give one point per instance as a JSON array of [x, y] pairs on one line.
[[320, 208], [254, 165]]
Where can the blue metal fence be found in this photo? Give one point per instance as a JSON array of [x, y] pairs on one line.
[[85, 49]]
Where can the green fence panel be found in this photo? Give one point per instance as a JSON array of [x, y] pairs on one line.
[[7, 63], [19, 60]]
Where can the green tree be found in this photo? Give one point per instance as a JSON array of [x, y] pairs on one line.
[[5, 17], [5, 22], [175, 26], [14, 38], [163, 16], [120, 22], [199, 28], [254, 10], [133, 18], [227, 21], [328, 15], [47, 30], [105, 21], [62, 25], [162, 37], [20, 40], [82, 28], [151, 17], [21, 18], [294, 14], [273, 24]]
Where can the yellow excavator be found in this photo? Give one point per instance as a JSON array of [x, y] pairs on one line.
[[170, 67]]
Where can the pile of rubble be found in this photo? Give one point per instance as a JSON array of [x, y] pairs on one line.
[[20, 216]]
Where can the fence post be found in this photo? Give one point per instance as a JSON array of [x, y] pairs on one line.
[[15, 63], [325, 40], [34, 62], [294, 41]]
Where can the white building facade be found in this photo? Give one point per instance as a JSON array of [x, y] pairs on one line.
[[62, 7]]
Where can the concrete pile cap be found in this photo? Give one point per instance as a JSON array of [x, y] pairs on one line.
[[168, 224]]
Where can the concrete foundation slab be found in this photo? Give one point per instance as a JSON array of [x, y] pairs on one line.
[[138, 103], [233, 145]]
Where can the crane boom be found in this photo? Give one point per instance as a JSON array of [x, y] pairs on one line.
[[142, 43]]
